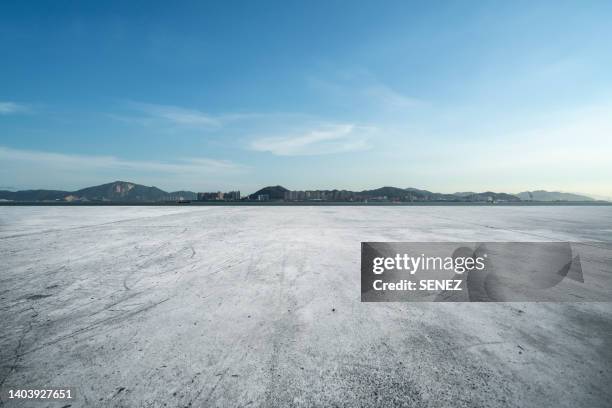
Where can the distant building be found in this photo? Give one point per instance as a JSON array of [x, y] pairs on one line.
[[232, 196], [294, 196], [315, 195], [378, 198], [176, 198], [209, 196], [219, 196], [263, 197], [319, 195]]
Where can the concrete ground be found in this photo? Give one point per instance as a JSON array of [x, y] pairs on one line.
[[260, 306]]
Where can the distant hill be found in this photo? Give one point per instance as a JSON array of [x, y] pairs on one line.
[[183, 195], [415, 194], [121, 191], [542, 195], [390, 192], [33, 195], [423, 193], [463, 193], [490, 196], [404, 194], [116, 191], [124, 191], [273, 192], [486, 196]]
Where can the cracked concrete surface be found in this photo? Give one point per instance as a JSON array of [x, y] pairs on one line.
[[259, 306]]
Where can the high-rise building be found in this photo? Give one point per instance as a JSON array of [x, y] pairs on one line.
[[219, 196], [232, 196]]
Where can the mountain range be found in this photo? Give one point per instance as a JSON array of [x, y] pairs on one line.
[[123, 191], [541, 195], [414, 194], [116, 191]]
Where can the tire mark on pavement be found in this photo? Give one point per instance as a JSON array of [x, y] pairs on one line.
[[106, 321]]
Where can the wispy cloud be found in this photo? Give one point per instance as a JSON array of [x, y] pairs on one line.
[[360, 88], [337, 138], [175, 115], [10, 108], [279, 133], [390, 98], [80, 162], [23, 167], [145, 113]]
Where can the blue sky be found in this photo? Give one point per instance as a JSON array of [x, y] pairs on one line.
[[447, 96]]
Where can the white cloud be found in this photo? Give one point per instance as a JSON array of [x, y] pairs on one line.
[[80, 162], [9, 108], [30, 168], [151, 114], [390, 98], [323, 140], [367, 94], [174, 115]]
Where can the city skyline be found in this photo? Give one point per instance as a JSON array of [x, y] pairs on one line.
[[129, 191], [217, 97]]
